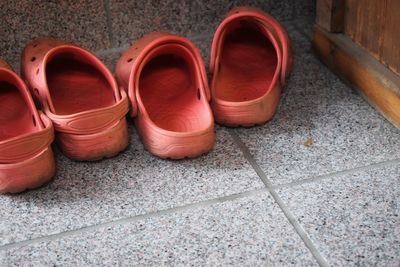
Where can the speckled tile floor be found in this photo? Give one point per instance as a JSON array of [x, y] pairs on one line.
[[318, 185]]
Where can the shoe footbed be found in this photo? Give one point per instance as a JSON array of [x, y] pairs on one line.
[[76, 86], [15, 116], [248, 63], [167, 87]]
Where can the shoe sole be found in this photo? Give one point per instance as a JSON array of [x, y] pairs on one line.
[[29, 174], [97, 146]]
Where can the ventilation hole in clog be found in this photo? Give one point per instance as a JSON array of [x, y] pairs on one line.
[[33, 59], [33, 120], [129, 60], [136, 48], [35, 45], [198, 93], [37, 71]]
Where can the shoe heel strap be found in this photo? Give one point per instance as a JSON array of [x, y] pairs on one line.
[[92, 121], [27, 146]]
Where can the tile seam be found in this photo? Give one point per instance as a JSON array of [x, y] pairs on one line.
[[106, 4], [301, 31], [290, 217], [338, 173], [131, 219]]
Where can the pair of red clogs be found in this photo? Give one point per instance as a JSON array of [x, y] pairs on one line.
[[164, 78]]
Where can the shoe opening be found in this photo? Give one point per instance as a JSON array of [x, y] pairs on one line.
[[77, 81], [248, 63], [169, 89]]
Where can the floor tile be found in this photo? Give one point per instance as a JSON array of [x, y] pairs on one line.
[[132, 183], [304, 16], [82, 22], [111, 59], [250, 231], [322, 126], [305, 8], [300, 44], [205, 16], [305, 25], [131, 20], [353, 219], [188, 18]]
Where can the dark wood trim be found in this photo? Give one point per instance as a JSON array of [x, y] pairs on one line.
[[379, 85], [330, 15]]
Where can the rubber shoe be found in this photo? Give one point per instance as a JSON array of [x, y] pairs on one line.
[[81, 97], [26, 134], [250, 61], [165, 78]]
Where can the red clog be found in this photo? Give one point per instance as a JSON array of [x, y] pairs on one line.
[[81, 97], [166, 81], [26, 157], [250, 60]]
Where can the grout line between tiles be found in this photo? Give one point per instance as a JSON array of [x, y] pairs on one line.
[[197, 37], [108, 51], [106, 4], [127, 220], [339, 173], [301, 31], [298, 228], [294, 14]]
